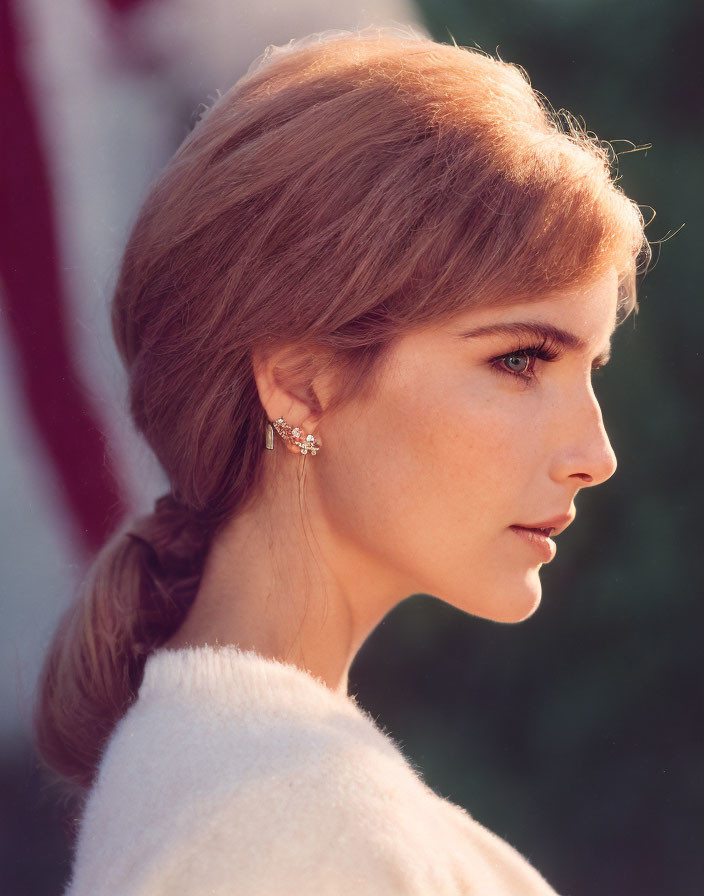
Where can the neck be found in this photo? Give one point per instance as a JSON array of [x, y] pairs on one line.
[[302, 596]]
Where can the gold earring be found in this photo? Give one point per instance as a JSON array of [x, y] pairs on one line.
[[292, 436]]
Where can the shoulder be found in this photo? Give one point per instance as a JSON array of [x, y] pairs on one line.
[[344, 818], [278, 807], [272, 795]]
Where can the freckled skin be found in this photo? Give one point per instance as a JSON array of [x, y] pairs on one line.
[[413, 491], [465, 451]]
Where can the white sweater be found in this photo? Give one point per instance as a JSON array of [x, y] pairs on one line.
[[239, 775]]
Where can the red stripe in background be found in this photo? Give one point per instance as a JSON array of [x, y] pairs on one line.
[[35, 310], [123, 6]]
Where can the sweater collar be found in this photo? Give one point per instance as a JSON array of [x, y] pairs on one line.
[[241, 679]]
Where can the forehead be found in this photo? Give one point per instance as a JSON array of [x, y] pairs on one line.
[[588, 312], [585, 317]]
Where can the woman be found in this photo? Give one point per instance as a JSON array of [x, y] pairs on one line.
[[359, 313]]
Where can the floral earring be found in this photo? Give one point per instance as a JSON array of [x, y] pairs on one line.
[[292, 436]]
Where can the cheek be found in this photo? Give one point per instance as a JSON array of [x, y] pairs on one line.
[[476, 450], [422, 485], [477, 437], [430, 470]]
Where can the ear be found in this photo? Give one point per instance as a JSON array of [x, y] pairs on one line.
[[293, 382]]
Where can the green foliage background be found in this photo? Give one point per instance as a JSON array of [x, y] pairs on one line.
[[578, 734]]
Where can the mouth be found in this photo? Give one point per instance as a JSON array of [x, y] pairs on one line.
[[546, 531], [539, 539], [553, 526]]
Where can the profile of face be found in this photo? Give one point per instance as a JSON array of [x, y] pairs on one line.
[[477, 426]]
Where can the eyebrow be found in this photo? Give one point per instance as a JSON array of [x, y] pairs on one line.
[[536, 330]]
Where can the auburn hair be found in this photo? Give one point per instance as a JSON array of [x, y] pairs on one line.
[[350, 186]]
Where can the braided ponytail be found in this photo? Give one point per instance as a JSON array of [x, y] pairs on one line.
[[135, 596]]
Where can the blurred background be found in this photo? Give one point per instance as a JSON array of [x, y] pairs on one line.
[[576, 735]]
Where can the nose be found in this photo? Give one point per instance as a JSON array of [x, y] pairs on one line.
[[586, 456]]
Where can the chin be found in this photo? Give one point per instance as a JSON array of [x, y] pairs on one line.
[[526, 600], [498, 598], [520, 614], [513, 603]]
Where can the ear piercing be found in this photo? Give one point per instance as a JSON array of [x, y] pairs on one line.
[[292, 436]]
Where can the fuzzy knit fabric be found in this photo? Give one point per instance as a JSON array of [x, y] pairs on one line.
[[241, 775]]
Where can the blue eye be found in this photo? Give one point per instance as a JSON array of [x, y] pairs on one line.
[[520, 363], [515, 360]]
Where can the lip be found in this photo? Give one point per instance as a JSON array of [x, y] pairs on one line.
[[557, 524], [543, 544]]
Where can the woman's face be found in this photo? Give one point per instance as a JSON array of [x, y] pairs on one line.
[[468, 436]]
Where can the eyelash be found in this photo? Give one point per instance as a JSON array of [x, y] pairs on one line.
[[547, 350]]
